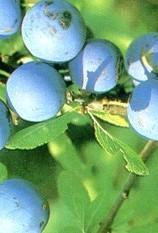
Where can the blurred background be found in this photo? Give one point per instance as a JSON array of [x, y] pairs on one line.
[[74, 163]]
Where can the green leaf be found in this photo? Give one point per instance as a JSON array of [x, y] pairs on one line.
[[134, 162], [35, 165], [139, 214], [113, 119], [111, 111], [70, 230], [60, 211], [114, 146], [3, 172], [11, 45], [29, 3], [74, 196], [96, 213], [106, 140], [146, 228], [66, 154], [40, 133], [2, 92]]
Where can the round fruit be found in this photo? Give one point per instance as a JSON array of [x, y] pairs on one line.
[[53, 30], [143, 109], [5, 125], [22, 208], [36, 91], [142, 57], [10, 17], [97, 67]]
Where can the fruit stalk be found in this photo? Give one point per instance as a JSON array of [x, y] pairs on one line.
[[145, 154]]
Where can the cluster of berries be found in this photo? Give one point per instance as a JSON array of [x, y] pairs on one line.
[[141, 62], [55, 33]]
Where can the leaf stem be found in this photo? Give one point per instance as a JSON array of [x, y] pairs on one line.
[[148, 149]]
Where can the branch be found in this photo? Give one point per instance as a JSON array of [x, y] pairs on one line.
[[123, 195]]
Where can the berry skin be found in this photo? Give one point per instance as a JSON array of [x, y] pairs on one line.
[[141, 59], [97, 67], [5, 125], [22, 208], [143, 109], [36, 91], [10, 17], [53, 30]]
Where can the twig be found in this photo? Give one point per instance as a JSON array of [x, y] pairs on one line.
[[123, 195]]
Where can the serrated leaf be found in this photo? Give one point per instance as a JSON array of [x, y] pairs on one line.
[[40, 133], [74, 196], [113, 119], [134, 162], [106, 140], [114, 146], [2, 92], [3, 172]]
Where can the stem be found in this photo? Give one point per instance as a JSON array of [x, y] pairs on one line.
[[123, 195], [113, 107]]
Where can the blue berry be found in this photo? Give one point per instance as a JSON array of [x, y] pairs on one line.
[[22, 208], [10, 17], [97, 67], [36, 91], [5, 125], [53, 30], [141, 59], [143, 109]]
